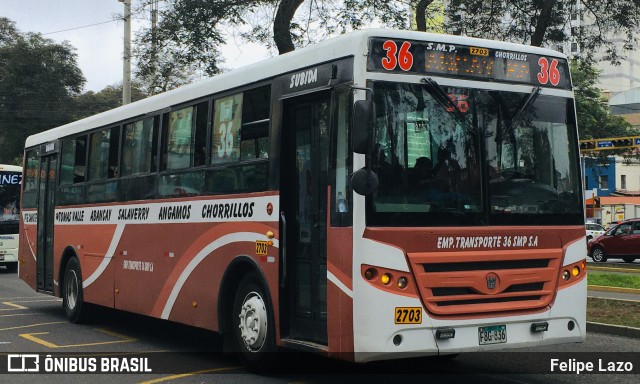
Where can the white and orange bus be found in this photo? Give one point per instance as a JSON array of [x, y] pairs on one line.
[[378, 195]]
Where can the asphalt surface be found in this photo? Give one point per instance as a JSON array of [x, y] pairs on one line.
[[31, 322]]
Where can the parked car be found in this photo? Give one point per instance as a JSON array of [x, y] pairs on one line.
[[621, 241], [594, 230]]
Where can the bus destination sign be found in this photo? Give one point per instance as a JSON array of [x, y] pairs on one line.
[[454, 60]]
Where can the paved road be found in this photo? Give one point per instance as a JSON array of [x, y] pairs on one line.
[[30, 322]]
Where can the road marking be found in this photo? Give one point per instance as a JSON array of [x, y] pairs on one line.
[[32, 325], [10, 304], [180, 376], [17, 314], [38, 301], [35, 339]]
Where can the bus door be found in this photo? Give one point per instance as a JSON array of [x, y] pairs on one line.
[[46, 205], [303, 201]]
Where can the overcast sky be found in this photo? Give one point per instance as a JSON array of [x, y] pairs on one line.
[[90, 27]]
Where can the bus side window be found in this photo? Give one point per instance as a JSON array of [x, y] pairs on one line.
[[30, 182], [72, 170], [184, 135], [240, 143], [254, 134], [139, 149], [225, 129]]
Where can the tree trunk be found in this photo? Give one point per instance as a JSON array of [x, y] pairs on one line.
[[543, 23], [282, 25], [421, 17]]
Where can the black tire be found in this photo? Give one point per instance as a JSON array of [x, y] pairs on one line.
[[629, 259], [598, 255], [446, 357], [12, 267], [589, 239], [253, 325], [76, 309]]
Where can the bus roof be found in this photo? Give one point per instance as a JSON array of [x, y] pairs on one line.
[[10, 168], [351, 44]]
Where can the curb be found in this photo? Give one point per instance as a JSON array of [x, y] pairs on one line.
[[604, 288], [615, 330], [613, 269]]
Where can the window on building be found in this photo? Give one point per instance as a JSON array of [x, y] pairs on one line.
[[623, 182], [604, 182]]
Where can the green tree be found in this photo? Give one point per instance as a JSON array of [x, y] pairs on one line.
[[91, 103], [594, 118], [550, 23], [189, 33], [38, 80]]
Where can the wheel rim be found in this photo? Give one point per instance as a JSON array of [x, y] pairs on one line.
[[253, 322], [597, 254], [71, 288]]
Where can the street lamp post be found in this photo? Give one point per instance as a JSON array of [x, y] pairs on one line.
[[126, 62]]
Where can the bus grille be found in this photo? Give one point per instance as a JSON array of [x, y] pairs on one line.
[[524, 281]]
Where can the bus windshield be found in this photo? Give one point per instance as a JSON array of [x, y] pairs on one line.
[[9, 199], [483, 157]]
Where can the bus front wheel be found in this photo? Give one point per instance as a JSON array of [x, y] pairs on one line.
[[253, 325], [72, 295]]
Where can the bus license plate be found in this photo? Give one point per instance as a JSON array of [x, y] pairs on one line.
[[408, 315], [492, 335]]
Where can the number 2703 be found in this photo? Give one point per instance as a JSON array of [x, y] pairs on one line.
[[408, 315]]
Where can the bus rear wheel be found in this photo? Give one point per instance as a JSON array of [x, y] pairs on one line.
[[253, 325], [76, 309]]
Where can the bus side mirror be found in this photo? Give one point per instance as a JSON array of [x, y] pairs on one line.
[[362, 126]]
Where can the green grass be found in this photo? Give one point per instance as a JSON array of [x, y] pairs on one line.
[[613, 280], [613, 312]]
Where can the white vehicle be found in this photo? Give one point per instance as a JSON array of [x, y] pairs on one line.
[[10, 179], [380, 195], [594, 230]]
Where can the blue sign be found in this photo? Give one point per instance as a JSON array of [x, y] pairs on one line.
[[636, 141], [10, 178], [605, 144]]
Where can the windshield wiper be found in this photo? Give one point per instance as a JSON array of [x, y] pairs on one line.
[[439, 95], [530, 99]]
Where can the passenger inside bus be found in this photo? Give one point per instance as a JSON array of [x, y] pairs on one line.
[[447, 172]]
